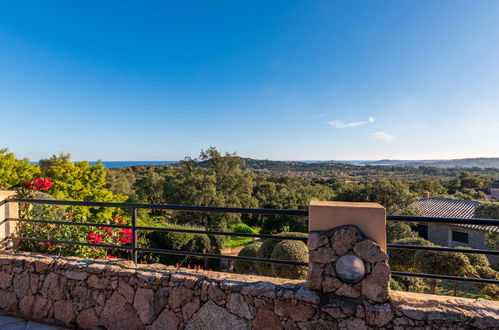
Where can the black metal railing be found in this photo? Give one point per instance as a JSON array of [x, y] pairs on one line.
[[135, 249]]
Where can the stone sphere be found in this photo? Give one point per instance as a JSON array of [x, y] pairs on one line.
[[350, 268]]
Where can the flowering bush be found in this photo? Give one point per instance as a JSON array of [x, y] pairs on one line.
[[35, 189], [39, 184]]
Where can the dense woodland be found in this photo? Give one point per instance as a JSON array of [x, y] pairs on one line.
[[227, 180]]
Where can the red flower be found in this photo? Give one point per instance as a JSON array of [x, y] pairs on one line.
[[39, 184], [188, 266], [176, 266], [49, 243], [94, 238], [111, 257]]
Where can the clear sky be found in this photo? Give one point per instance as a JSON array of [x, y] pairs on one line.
[[311, 80]]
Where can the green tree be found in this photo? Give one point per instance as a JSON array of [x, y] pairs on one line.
[[13, 171], [80, 182]]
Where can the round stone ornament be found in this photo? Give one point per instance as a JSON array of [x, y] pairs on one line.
[[350, 268]]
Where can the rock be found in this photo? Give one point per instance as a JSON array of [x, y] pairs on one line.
[[343, 240], [98, 283], [314, 276], [118, 314], [33, 283], [315, 241], [347, 290], [41, 265], [143, 304], [378, 315], [356, 324], [126, 291], [5, 280], [340, 308], [166, 321], [52, 287], [8, 301], [21, 284], [236, 305], [331, 284], [265, 319], [215, 293], [161, 299], [370, 251], [178, 296], [307, 295], [263, 289], [298, 312], [376, 285], [37, 308], [211, 316], [290, 325], [190, 308], [323, 256], [64, 311], [76, 275], [350, 268], [87, 319], [317, 325]]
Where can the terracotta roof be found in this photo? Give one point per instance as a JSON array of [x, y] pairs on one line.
[[451, 208]]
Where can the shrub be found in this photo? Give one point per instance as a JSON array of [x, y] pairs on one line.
[[292, 251], [243, 266], [412, 284], [476, 260], [267, 248], [403, 259], [179, 241], [436, 262]]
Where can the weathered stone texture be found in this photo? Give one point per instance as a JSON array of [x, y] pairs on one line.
[[85, 294], [325, 268]]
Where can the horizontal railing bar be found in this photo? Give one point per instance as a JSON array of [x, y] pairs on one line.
[[187, 208], [192, 231], [220, 256], [446, 277], [466, 221], [104, 246], [72, 223], [443, 249]]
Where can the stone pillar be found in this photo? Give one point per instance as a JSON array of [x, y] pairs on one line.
[[347, 243], [7, 228]]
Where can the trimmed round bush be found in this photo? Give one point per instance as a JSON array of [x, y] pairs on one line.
[[201, 243], [244, 267], [403, 259], [267, 248], [292, 251], [476, 260]]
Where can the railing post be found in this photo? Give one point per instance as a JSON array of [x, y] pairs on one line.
[[347, 244], [134, 235], [8, 210]]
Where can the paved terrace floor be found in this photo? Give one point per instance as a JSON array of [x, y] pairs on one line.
[[14, 323]]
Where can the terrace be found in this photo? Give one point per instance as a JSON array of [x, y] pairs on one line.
[[347, 284]]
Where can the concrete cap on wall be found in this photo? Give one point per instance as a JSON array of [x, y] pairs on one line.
[[370, 218]]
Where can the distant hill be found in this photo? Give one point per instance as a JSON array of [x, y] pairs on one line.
[[465, 162]]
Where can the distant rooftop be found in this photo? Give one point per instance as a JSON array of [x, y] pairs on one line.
[[451, 208]]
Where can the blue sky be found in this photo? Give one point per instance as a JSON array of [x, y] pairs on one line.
[[315, 80]]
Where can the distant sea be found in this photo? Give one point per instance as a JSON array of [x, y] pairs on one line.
[[114, 164]]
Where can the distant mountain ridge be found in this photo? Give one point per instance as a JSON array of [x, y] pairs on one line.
[[463, 162]]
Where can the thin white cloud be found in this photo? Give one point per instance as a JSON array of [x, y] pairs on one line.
[[342, 124], [371, 119], [384, 136]]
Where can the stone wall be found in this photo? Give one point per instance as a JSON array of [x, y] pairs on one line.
[[114, 295]]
